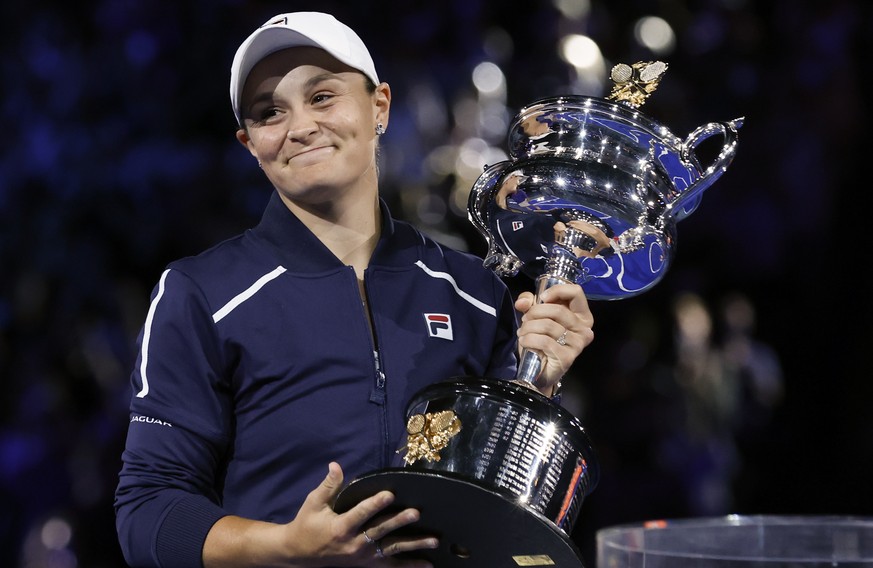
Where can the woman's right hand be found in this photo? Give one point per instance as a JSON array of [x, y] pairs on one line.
[[340, 539], [363, 536]]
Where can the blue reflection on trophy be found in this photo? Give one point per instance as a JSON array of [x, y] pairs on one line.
[[593, 190]]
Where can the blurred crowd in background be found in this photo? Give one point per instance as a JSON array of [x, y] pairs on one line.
[[741, 384]]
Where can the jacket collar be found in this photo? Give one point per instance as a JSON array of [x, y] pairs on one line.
[[301, 251]]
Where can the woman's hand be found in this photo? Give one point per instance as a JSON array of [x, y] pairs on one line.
[[560, 326], [318, 536]]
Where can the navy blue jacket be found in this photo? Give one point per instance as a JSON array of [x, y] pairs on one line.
[[257, 368]]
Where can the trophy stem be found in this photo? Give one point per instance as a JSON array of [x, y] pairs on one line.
[[561, 268], [532, 361]]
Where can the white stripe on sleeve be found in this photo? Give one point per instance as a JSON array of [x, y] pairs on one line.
[[147, 335]]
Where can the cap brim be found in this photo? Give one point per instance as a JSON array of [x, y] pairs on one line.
[[261, 44]]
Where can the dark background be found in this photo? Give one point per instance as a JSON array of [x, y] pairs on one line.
[[118, 156]]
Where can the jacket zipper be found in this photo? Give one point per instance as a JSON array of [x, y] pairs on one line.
[[378, 393]]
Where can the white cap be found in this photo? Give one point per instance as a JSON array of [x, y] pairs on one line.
[[298, 29]]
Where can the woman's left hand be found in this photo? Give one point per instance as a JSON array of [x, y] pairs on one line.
[[560, 326]]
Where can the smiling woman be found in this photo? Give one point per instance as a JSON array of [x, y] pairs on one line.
[[312, 125], [294, 347]]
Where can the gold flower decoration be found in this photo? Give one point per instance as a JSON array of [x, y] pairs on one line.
[[428, 434], [634, 83]]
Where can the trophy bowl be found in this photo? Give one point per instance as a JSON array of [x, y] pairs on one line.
[[591, 195], [598, 188]]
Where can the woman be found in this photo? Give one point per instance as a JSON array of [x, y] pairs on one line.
[[293, 348]]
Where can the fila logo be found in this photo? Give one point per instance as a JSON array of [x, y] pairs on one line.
[[439, 325], [517, 225], [279, 21]]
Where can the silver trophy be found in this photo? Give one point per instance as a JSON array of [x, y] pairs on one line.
[[591, 195]]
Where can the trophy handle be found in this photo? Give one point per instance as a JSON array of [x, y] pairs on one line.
[[481, 196], [687, 202]]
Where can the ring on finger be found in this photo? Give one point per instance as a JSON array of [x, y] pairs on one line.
[[368, 539], [379, 551], [563, 339]]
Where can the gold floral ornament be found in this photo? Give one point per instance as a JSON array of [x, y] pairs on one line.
[[634, 83], [428, 434]]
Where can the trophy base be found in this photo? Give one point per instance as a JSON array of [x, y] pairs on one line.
[[476, 526]]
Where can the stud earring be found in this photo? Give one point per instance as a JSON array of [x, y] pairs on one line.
[[260, 165], [380, 129]]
